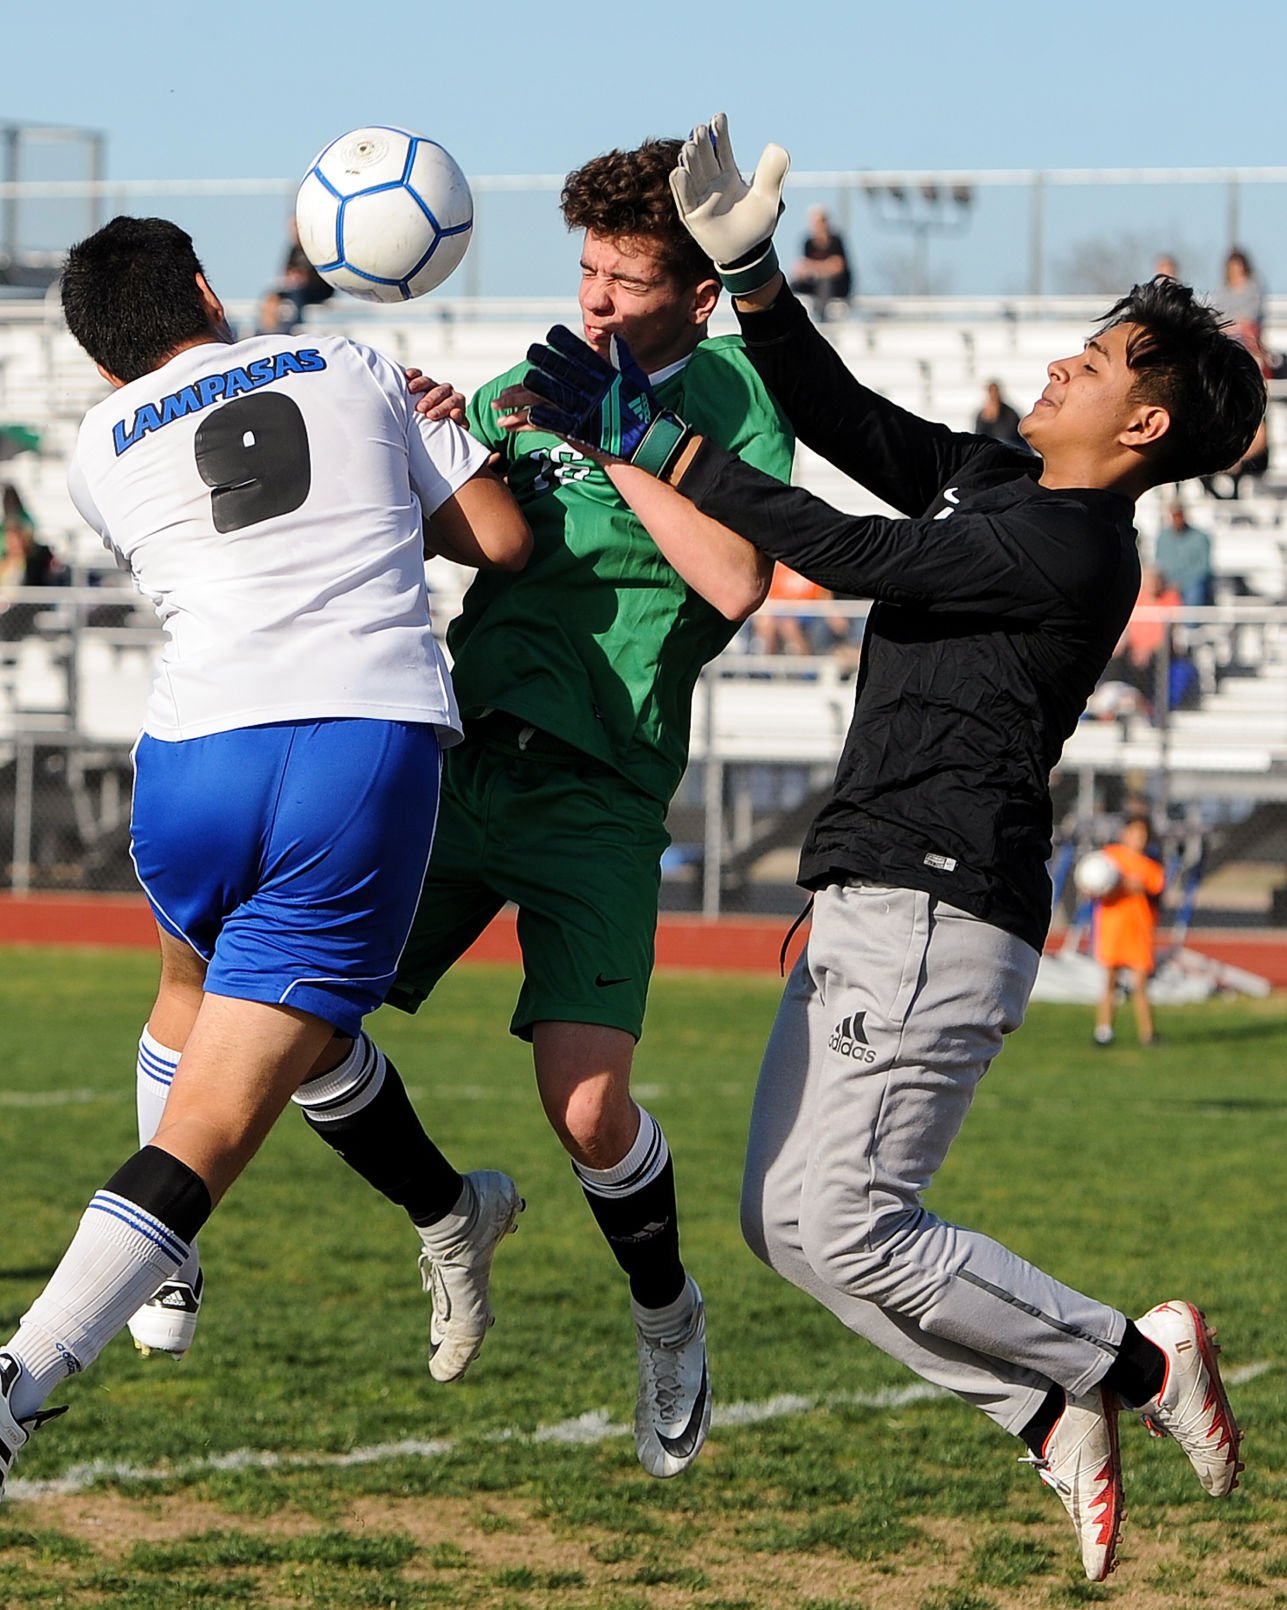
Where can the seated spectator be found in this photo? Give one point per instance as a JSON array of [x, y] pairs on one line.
[[997, 418], [792, 633], [24, 562], [274, 315], [1250, 467], [299, 286], [1242, 299], [1138, 659], [780, 632], [822, 272], [1115, 700], [1183, 555]]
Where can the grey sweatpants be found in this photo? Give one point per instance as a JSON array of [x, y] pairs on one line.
[[889, 1020]]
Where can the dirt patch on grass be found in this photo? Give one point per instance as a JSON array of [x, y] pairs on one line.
[[500, 1550]]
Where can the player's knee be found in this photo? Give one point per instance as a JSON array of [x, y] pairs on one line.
[[853, 1250], [597, 1127]]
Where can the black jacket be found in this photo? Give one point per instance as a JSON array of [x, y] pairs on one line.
[[999, 605]]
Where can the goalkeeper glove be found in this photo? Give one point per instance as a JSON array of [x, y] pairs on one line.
[[612, 409], [731, 221]]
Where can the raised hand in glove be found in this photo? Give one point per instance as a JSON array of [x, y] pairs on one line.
[[610, 409], [732, 221]]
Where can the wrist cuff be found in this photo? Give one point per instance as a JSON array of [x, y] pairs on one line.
[[662, 443], [742, 278]]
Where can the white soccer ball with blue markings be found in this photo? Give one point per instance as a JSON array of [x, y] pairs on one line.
[[384, 214], [1096, 875]]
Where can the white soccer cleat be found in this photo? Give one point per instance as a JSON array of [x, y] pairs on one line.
[[457, 1276], [673, 1410], [167, 1322], [15, 1433], [1081, 1461], [1192, 1408]]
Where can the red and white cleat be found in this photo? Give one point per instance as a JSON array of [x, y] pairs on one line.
[[1192, 1407], [1081, 1461]]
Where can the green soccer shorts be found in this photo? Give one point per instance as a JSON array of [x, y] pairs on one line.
[[575, 846]]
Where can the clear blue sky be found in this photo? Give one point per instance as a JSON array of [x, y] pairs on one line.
[[241, 90]]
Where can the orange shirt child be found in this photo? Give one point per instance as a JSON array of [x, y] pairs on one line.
[[1126, 921]]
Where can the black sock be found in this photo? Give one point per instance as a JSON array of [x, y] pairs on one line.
[[643, 1231], [385, 1142], [1043, 1422], [1138, 1371]]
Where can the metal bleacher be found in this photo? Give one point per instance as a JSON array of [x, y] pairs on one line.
[[84, 685]]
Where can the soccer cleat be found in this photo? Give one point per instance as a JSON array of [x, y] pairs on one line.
[[1081, 1461], [15, 1433], [673, 1410], [167, 1322], [456, 1276], [1192, 1408]]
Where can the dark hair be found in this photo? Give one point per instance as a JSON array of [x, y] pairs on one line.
[[627, 193], [130, 294], [1183, 361]]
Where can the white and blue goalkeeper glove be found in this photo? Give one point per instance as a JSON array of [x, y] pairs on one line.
[[732, 221]]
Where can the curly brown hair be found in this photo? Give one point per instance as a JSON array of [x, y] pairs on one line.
[[624, 194]]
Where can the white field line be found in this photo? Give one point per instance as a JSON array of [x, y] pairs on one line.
[[585, 1429], [56, 1098], [644, 1091]]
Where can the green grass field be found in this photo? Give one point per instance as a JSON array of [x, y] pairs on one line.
[[301, 1456]]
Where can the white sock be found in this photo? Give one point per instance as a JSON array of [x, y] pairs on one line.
[[118, 1257], [639, 1167], [454, 1225], [348, 1088], [155, 1072], [153, 1077], [671, 1322]]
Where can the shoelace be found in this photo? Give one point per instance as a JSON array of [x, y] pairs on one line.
[[436, 1286], [1041, 1465], [667, 1383]]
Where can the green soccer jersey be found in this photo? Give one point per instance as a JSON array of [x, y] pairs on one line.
[[599, 641]]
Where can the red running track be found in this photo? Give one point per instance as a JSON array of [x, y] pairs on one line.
[[732, 944]]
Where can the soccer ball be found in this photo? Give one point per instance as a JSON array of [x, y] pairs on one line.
[[384, 214], [1097, 875]]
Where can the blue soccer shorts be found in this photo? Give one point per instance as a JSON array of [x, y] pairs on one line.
[[290, 856]]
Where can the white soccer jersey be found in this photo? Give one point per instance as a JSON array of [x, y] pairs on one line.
[[267, 497]]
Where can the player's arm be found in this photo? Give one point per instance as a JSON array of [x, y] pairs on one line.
[[480, 525], [1020, 566], [469, 514], [1147, 876], [897, 455], [729, 572]]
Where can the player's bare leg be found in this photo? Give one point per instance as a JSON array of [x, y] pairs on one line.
[[166, 1324], [620, 1156], [1143, 1006], [239, 1068], [180, 992], [242, 1063], [1107, 1003]]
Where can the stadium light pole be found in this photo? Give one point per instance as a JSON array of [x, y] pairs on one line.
[[9, 244], [1036, 233]]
